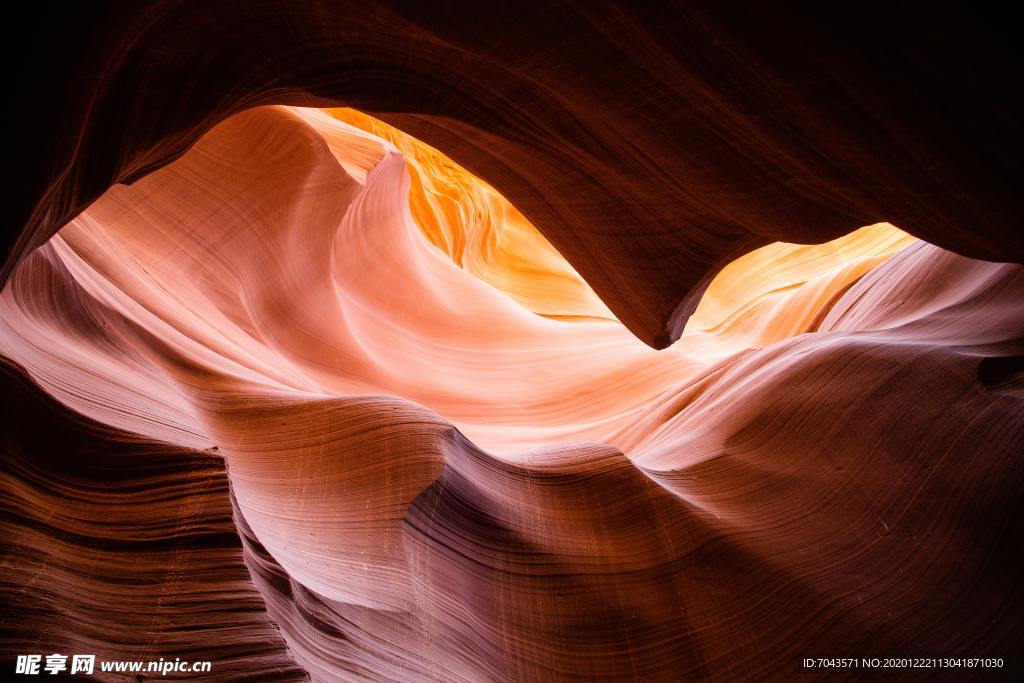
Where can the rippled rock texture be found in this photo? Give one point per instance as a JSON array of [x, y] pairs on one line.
[[448, 460], [308, 398]]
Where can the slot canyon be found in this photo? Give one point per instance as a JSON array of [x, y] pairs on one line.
[[514, 341]]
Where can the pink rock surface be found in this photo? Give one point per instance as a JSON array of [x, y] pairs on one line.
[[431, 480]]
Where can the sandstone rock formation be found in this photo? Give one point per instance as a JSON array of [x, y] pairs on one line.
[[586, 347]]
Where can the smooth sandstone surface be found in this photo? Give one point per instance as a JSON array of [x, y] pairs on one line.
[[446, 458]]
